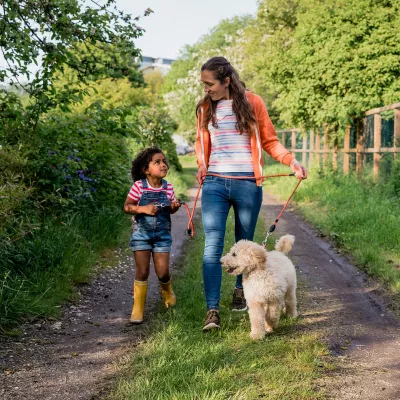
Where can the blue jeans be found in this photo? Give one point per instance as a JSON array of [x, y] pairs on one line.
[[219, 194]]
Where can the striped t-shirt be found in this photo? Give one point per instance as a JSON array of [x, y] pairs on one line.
[[230, 150], [136, 191]]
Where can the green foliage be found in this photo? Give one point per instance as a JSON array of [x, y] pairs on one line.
[[63, 33], [38, 272], [182, 86], [155, 128], [394, 179], [64, 144], [327, 61]]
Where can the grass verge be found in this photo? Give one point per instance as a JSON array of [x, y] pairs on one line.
[[362, 218], [178, 361], [59, 256]]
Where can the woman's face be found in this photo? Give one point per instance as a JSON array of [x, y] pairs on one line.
[[213, 87]]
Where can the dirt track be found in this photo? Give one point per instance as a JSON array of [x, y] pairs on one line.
[[341, 304], [73, 358]]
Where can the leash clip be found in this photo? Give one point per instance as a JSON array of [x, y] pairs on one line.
[[264, 243], [269, 233]]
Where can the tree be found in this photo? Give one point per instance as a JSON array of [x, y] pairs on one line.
[[56, 33], [327, 61], [182, 86]]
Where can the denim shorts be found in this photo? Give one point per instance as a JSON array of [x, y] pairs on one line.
[[156, 238]]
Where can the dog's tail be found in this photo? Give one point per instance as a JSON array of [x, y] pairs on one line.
[[284, 244]]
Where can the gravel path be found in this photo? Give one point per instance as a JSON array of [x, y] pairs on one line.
[[76, 356]]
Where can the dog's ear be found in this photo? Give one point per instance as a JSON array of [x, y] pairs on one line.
[[259, 255]]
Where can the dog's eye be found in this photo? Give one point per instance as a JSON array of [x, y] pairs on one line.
[[234, 254]]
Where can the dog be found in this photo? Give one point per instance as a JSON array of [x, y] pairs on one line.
[[269, 282]]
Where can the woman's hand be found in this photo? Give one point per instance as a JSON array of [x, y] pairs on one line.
[[201, 174], [299, 171]]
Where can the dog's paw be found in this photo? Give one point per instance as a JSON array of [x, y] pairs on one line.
[[268, 328], [257, 335], [292, 313]]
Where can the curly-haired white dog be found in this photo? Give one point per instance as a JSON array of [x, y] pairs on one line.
[[269, 282]]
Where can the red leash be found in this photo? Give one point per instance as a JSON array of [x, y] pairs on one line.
[[190, 229]]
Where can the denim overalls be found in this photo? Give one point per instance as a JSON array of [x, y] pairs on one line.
[[153, 232]]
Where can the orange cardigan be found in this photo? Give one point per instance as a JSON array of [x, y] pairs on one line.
[[264, 137]]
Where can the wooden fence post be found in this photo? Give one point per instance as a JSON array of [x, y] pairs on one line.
[[377, 144], [360, 126], [318, 148], [396, 144], [326, 147], [304, 154], [283, 138], [312, 149], [293, 141], [335, 155], [346, 148]]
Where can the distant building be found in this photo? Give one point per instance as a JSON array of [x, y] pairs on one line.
[[148, 64]]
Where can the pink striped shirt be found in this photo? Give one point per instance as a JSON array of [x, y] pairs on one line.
[[136, 191], [230, 150]]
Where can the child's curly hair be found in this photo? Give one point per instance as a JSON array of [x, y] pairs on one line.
[[142, 161]]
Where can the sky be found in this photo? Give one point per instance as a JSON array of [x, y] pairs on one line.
[[176, 23]]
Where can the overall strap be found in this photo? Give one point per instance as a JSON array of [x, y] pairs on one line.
[[164, 184], [144, 183]]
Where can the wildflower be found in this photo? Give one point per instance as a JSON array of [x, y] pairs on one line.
[[52, 153], [68, 177], [93, 189]]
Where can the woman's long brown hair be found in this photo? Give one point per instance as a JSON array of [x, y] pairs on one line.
[[222, 69]]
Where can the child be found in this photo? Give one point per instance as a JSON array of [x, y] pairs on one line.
[[151, 200]]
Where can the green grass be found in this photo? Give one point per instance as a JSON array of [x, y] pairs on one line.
[[362, 218], [178, 361], [58, 256]]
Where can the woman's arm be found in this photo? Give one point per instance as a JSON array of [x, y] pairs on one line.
[[201, 173], [270, 142], [269, 139]]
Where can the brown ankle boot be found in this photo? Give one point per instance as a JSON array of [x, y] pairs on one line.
[[167, 294], [139, 301]]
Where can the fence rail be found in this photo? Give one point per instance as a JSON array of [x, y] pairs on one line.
[[360, 139]]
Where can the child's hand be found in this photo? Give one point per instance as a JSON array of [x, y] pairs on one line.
[[149, 209], [175, 206]]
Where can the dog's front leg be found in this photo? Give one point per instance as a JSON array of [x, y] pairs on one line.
[[257, 320]]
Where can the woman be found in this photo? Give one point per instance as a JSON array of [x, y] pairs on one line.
[[233, 126]]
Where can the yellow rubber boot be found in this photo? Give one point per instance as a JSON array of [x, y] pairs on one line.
[[139, 301], [167, 294]]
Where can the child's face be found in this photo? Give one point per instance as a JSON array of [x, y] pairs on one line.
[[158, 166]]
